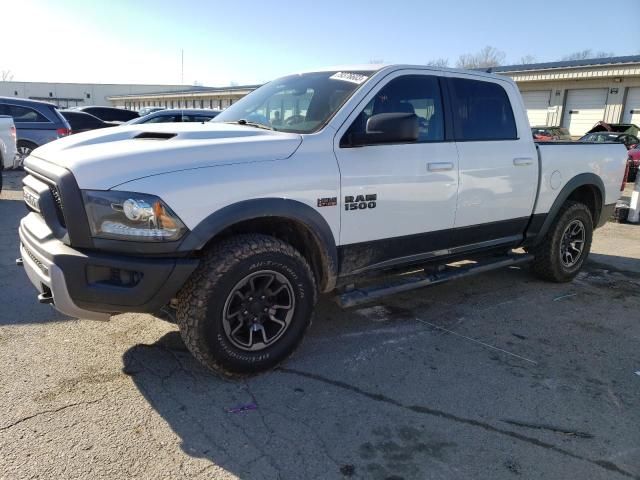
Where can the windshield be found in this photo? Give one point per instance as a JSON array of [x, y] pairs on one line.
[[297, 103]]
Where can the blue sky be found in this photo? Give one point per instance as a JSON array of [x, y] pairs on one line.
[[248, 41]]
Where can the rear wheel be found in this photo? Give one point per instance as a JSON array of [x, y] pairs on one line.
[[247, 306], [562, 252]]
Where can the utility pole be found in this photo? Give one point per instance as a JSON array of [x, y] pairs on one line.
[[182, 66]]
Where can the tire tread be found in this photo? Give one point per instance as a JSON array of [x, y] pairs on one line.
[[218, 260]]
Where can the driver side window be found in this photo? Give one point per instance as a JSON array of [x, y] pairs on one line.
[[418, 94]]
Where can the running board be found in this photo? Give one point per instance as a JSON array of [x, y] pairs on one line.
[[357, 296]]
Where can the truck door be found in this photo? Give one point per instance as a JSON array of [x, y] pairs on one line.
[[398, 200], [498, 162]]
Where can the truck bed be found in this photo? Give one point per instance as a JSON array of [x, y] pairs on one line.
[[562, 161]]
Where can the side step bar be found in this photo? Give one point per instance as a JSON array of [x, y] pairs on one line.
[[359, 296]]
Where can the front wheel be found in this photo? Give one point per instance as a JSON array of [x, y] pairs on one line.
[[23, 151], [247, 306], [561, 254]]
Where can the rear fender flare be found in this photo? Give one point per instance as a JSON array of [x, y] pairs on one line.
[[589, 179]]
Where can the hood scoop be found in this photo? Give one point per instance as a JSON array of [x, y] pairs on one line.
[[155, 135]]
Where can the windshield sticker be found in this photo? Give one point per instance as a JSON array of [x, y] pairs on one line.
[[356, 78]]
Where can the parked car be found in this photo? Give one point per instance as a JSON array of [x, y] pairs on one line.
[[36, 123], [7, 144], [147, 110], [304, 186], [629, 128], [548, 134], [109, 114], [629, 141], [84, 122], [177, 115]]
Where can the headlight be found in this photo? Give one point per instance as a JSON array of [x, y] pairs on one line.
[[131, 216]]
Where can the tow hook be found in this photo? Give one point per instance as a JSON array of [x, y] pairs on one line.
[[19, 262], [46, 298]]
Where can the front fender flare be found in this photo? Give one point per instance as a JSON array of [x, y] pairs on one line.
[[257, 208]]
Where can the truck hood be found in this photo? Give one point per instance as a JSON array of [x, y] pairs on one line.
[[102, 159]]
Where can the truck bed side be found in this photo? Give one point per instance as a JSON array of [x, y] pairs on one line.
[[561, 162]]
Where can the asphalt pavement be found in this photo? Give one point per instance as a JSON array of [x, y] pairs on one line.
[[498, 376]]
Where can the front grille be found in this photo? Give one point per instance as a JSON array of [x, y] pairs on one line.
[[43, 268], [58, 201]]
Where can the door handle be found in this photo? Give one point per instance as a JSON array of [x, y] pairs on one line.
[[522, 161], [439, 166]]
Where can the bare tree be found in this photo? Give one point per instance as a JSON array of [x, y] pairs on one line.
[[485, 58], [588, 53], [528, 59], [438, 62], [6, 75]]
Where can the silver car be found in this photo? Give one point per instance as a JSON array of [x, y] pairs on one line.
[[176, 115]]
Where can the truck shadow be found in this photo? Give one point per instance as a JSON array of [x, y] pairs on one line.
[[275, 425], [17, 295]]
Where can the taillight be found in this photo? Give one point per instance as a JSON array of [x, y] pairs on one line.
[[63, 132], [13, 133], [624, 178]]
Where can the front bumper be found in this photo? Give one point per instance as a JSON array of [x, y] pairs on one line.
[[92, 285]]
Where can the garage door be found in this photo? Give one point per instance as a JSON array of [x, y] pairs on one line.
[[537, 105], [632, 106], [583, 109]]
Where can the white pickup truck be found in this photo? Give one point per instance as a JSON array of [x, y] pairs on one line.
[[7, 144], [305, 186]]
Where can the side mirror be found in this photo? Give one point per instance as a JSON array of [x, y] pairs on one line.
[[388, 128]]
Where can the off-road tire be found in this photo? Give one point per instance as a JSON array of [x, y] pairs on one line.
[[201, 302], [547, 263]]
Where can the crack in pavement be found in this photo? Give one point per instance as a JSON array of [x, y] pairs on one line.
[[53, 410], [378, 397], [551, 428]]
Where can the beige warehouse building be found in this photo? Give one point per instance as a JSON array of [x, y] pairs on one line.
[[578, 94], [574, 94]]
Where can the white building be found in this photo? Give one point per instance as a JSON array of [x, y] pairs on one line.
[[67, 95]]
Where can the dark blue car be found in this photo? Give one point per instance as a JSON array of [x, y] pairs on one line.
[[36, 123]]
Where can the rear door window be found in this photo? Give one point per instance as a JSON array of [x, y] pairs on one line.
[[481, 111], [23, 114]]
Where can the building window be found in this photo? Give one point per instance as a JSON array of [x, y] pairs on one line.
[[88, 96], [220, 104]]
